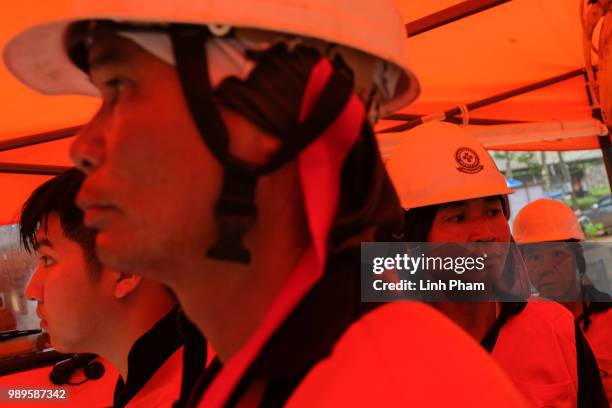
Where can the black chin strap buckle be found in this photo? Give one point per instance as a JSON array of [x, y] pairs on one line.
[[235, 213]]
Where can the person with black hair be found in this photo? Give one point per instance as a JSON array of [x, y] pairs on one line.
[[233, 158], [551, 241], [86, 307], [461, 197]]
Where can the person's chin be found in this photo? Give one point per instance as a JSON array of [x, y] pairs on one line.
[[552, 292], [57, 344], [116, 251], [108, 245]]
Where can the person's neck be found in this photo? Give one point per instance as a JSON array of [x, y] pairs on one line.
[[227, 301], [476, 318], [136, 318], [574, 306]]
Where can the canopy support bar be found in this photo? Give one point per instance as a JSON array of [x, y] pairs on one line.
[[473, 121], [34, 169], [604, 141], [487, 101], [38, 138], [606, 152], [450, 14]]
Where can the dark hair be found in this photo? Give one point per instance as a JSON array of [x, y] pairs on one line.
[[593, 300], [57, 197], [418, 223]]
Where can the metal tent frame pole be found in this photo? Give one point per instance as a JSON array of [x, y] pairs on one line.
[[486, 101], [31, 140], [33, 169], [38, 138], [406, 117], [450, 14], [606, 151], [604, 141]]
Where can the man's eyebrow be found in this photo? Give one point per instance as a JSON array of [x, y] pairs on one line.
[[44, 242], [109, 55], [454, 204], [531, 247]]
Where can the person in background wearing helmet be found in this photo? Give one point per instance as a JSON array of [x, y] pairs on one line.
[[236, 163], [89, 308], [558, 271], [461, 197]]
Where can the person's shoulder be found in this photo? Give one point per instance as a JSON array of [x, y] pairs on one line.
[[544, 314], [601, 321], [599, 335], [545, 334], [606, 315], [403, 354]]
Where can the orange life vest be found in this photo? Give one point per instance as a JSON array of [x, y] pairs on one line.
[[599, 335], [537, 348]]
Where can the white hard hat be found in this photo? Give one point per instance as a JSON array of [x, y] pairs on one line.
[[438, 163], [37, 56], [546, 220]]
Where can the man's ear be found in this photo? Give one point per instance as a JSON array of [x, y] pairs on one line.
[[125, 284]]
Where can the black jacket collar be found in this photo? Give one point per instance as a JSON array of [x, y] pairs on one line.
[[147, 355]]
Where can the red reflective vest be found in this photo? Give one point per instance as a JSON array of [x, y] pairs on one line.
[[599, 335], [405, 355]]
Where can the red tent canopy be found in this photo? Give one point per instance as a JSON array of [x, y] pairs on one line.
[[498, 50]]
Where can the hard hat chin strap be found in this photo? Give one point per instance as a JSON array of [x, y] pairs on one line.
[[235, 210], [581, 264]]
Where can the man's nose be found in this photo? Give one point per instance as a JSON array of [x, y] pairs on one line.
[[481, 231], [87, 149], [35, 288]]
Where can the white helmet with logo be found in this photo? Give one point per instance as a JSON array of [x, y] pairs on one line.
[[438, 163]]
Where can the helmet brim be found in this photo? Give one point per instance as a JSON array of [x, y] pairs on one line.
[[38, 58]]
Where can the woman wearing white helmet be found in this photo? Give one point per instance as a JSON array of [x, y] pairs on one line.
[[551, 238], [460, 197], [233, 159]]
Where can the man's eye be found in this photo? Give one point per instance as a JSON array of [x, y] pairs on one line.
[[533, 257], [112, 83], [46, 260], [456, 218], [495, 212], [112, 90]]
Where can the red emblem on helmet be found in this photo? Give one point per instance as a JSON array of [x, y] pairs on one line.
[[468, 160]]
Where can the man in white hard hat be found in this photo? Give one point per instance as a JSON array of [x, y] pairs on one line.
[[551, 238], [233, 159]]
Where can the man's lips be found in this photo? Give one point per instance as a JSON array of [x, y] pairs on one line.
[[549, 287], [549, 282], [95, 206], [43, 322], [96, 215], [548, 277]]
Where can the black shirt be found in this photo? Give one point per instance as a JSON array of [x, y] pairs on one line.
[[152, 350]]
